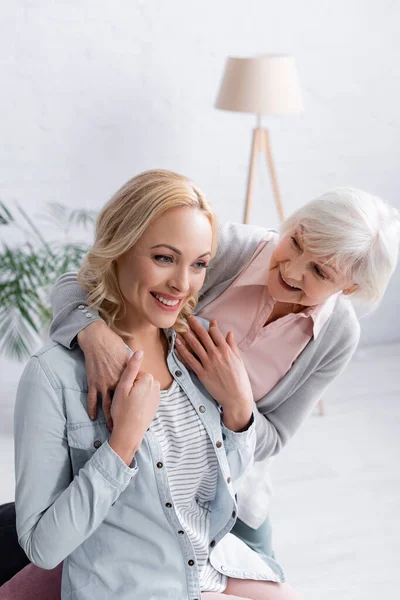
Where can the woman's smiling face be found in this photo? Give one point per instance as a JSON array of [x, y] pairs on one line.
[[297, 276], [167, 266]]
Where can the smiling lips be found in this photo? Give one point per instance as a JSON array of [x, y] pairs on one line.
[[169, 303], [286, 285]]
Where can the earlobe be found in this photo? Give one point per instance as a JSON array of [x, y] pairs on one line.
[[351, 289]]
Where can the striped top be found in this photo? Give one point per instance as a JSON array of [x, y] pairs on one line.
[[192, 470]]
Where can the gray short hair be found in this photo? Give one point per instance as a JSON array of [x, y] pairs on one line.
[[357, 232]]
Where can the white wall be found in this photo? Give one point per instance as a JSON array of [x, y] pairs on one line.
[[93, 92]]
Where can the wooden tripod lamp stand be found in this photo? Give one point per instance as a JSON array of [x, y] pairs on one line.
[[263, 85]]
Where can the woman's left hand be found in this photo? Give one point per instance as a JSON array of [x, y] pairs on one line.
[[219, 366]]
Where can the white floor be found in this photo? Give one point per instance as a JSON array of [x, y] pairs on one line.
[[337, 488], [337, 485]]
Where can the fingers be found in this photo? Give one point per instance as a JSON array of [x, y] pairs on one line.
[[131, 371], [196, 346], [230, 339], [106, 404], [202, 334], [188, 359], [92, 402], [216, 334]]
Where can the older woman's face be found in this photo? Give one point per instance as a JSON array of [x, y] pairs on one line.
[[165, 267], [297, 276]]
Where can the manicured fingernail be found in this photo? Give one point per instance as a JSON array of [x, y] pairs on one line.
[[138, 354], [178, 342]]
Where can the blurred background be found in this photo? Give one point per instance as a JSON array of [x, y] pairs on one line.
[[94, 92]]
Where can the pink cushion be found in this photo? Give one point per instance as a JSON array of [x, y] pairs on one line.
[[32, 583]]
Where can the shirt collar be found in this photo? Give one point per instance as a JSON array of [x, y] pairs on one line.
[[321, 313], [256, 272]]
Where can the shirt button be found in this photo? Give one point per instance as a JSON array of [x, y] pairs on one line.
[[218, 444], [81, 306], [89, 315], [202, 409], [229, 479], [97, 444], [178, 373], [212, 544], [181, 532], [168, 504], [160, 465], [190, 563]]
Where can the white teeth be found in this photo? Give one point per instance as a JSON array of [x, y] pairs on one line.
[[292, 286], [166, 302]]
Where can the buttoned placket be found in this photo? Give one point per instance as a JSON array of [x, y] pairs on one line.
[[162, 483], [188, 552]]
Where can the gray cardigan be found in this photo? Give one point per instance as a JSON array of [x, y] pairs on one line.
[[282, 411]]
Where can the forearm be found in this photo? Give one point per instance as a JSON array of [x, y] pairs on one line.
[[75, 514], [238, 419], [69, 307], [276, 427], [56, 512]]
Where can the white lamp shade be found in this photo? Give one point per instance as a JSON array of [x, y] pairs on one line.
[[263, 85]]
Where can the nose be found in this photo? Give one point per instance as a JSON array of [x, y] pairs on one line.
[[179, 281], [295, 269]]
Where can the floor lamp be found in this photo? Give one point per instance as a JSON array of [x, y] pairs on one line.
[[263, 85], [266, 85]]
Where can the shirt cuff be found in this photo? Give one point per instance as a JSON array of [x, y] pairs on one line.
[[235, 439], [81, 317], [113, 468]]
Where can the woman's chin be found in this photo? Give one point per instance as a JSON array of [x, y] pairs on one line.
[[164, 321]]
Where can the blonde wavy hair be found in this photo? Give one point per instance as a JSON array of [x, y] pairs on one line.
[[121, 223]]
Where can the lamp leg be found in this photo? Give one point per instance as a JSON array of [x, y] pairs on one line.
[[272, 172], [252, 171]]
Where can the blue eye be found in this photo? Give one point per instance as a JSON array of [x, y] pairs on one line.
[[200, 265], [163, 258]]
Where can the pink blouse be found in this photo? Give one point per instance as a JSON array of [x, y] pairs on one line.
[[267, 351]]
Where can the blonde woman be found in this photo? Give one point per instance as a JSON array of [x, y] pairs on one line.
[[143, 511]]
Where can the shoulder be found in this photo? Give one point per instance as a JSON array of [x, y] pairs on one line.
[[241, 237], [62, 367], [343, 327]]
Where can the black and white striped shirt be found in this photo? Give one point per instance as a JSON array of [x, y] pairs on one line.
[[192, 470]]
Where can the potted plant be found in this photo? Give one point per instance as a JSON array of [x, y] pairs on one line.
[[29, 268]]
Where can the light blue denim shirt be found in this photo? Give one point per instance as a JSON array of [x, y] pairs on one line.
[[114, 526]]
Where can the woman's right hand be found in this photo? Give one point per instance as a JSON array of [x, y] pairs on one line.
[[135, 402], [106, 357]]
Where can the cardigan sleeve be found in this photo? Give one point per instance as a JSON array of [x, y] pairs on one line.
[[282, 412], [70, 312]]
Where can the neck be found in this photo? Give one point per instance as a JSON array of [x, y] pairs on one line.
[[281, 309], [142, 335]]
